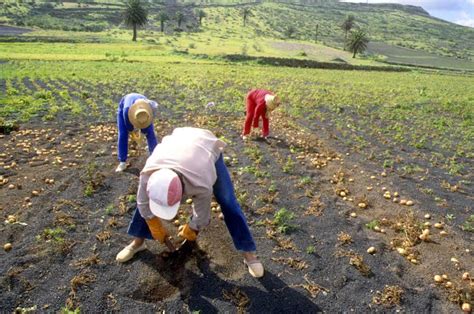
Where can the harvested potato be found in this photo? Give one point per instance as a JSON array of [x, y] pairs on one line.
[[7, 247]]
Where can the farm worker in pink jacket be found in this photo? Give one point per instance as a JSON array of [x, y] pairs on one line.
[[259, 103], [188, 162]]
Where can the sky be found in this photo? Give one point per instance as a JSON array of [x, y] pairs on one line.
[[457, 11]]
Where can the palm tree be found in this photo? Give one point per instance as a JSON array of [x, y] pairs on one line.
[[290, 31], [347, 25], [163, 18], [246, 12], [180, 18], [135, 15], [201, 15], [358, 42]]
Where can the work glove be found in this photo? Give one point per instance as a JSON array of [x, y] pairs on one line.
[[157, 230], [187, 233], [135, 136]]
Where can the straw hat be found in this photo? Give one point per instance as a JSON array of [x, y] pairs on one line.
[[140, 114], [272, 102]]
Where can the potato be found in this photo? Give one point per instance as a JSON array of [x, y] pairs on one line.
[[465, 276], [371, 250], [466, 307], [402, 251], [7, 247], [438, 278]]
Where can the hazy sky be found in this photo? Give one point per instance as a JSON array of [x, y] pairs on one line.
[[456, 11]]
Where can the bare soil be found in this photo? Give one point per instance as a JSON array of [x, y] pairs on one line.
[[65, 235]]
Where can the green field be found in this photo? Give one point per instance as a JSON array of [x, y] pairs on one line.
[[439, 109]]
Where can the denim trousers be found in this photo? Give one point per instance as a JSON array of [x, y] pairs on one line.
[[234, 218]]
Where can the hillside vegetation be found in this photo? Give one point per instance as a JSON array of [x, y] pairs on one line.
[[313, 22]]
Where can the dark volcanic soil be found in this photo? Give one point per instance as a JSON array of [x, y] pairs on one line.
[[65, 235]]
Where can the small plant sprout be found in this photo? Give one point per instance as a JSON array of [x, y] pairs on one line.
[[282, 219], [310, 249]]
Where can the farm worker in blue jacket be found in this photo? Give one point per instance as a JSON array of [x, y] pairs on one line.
[[135, 112]]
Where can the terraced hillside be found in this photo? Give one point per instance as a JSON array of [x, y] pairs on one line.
[[314, 24]]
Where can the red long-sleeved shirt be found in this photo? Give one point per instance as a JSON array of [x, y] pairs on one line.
[[256, 109]]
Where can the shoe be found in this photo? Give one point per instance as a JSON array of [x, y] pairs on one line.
[[255, 268], [121, 167], [128, 252]]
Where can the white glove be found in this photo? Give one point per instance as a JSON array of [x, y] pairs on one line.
[[121, 167], [244, 137]]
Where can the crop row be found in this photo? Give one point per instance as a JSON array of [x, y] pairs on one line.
[[429, 116]]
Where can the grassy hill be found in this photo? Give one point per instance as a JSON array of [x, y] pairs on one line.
[[316, 29]]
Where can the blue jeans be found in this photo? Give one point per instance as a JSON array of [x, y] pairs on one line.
[[233, 216]]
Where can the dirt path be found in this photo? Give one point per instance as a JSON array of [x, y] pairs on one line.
[[66, 234]]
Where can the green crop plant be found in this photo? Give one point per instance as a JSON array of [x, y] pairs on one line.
[[289, 165], [468, 225], [310, 249], [282, 221], [55, 234], [372, 224]]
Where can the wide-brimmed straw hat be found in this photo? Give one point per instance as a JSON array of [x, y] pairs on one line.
[[272, 102], [140, 114]]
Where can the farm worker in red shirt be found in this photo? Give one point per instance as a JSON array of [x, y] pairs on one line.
[[135, 114], [188, 162], [260, 103]]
